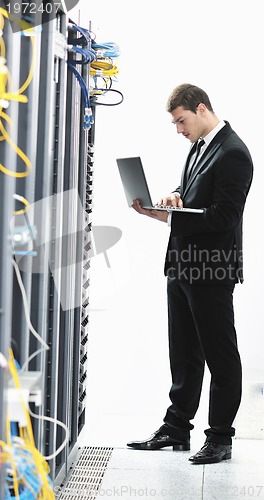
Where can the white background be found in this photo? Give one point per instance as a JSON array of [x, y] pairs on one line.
[[219, 47]]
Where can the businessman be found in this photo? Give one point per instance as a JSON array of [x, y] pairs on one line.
[[203, 264]]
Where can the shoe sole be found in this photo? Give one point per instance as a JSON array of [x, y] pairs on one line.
[[175, 447], [212, 461]]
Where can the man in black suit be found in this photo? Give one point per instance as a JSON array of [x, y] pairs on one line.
[[203, 264]]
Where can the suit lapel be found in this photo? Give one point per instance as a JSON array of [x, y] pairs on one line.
[[210, 151]]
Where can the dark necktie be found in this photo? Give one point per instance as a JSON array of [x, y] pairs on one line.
[[196, 154]]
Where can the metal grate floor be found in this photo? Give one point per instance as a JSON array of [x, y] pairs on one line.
[[87, 475]]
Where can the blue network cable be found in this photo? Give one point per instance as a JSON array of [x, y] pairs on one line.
[[30, 482], [88, 115], [79, 45], [108, 49], [26, 469], [85, 39], [88, 56]]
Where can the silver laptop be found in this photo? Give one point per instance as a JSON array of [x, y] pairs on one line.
[[135, 185]]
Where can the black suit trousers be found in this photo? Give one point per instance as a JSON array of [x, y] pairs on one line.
[[201, 330]]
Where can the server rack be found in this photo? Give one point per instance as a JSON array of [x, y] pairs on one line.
[[55, 273], [7, 207]]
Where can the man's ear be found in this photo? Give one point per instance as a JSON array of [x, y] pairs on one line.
[[201, 108]]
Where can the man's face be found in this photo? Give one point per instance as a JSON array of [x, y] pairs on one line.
[[188, 124]]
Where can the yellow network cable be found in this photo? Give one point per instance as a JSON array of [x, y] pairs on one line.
[[24, 201], [19, 152], [6, 96], [3, 75], [26, 434], [103, 68], [24, 25], [14, 373], [30, 31], [2, 46], [8, 456]]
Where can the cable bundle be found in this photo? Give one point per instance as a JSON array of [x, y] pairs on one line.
[[88, 115], [84, 39], [26, 469], [25, 480], [108, 49], [105, 69], [79, 45]]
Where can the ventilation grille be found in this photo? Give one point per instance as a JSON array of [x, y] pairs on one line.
[[87, 475]]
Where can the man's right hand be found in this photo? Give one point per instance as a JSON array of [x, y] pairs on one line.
[[173, 200]]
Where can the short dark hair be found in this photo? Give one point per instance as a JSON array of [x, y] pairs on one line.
[[189, 97]]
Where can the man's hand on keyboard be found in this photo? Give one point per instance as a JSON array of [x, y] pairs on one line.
[[173, 200]]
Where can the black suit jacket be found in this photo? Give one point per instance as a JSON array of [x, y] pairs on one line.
[[207, 248]]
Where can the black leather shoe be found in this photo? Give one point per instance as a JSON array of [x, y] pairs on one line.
[[159, 440], [212, 453]]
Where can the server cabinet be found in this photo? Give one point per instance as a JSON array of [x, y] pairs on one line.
[[55, 260]]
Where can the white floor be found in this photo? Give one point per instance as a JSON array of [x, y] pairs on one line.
[[128, 384], [166, 474]]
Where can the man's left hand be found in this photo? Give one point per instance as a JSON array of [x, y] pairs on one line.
[[161, 215]]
